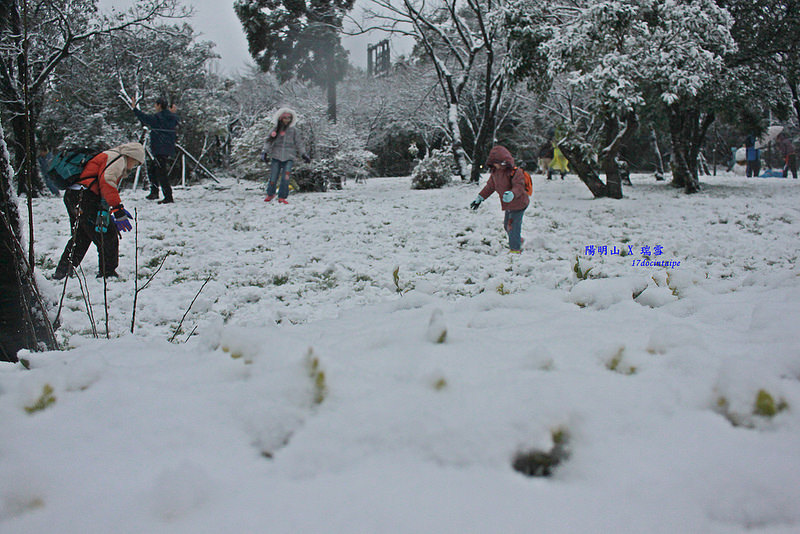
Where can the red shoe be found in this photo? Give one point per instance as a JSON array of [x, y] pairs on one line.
[[269, 197], [283, 201]]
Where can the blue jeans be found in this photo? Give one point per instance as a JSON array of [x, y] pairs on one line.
[[279, 169], [512, 223]]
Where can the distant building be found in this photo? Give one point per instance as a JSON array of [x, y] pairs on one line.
[[378, 62]]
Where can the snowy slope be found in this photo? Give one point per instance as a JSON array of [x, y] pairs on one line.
[[308, 391]]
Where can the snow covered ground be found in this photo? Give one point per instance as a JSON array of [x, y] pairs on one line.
[[373, 360]]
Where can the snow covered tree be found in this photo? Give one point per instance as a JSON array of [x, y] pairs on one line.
[[37, 36], [464, 42], [160, 60], [767, 34], [617, 56], [298, 39], [23, 318], [595, 52], [685, 68]]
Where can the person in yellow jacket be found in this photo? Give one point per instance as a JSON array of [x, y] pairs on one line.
[[559, 163]]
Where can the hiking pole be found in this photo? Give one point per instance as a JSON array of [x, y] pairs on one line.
[[211, 174]]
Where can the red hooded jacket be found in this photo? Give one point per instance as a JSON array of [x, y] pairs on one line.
[[501, 180]]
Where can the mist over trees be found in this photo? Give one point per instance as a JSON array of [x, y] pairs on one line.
[[605, 76]]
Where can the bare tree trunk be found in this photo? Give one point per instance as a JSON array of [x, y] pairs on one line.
[[684, 166], [657, 152], [331, 88], [23, 318], [459, 154], [688, 129]]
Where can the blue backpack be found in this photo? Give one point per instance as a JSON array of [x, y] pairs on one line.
[[67, 165]]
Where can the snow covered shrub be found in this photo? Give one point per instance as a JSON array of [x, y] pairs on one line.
[[394, 153], [247, 149], [317, 175], [355, 163], [324, 173], [434, 171]]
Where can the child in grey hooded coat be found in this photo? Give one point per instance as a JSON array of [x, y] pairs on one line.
[[281, 148]]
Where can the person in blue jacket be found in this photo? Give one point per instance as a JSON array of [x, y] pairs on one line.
[[753, 157], [163, 124]]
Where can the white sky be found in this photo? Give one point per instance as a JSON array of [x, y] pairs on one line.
[[216, 21]]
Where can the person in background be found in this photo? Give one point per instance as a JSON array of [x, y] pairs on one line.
[[96, 214], [280, 150], [44, 159], [753, 157], [545, 158], [163, 125], [509, 183], [559, 162], [789, 154]]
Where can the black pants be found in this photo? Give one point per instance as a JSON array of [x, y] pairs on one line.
[[791, 165], [158, 171], [82, 207], [753, 168]]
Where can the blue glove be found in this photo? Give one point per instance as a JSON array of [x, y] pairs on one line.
[[508, 196], [122, 218], [476, 203]]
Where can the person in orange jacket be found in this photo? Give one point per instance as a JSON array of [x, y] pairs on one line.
[[509, 182], [96, 214]]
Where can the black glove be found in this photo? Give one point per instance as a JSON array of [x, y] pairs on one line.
[[264, 156], [306, 158], [476, 203]]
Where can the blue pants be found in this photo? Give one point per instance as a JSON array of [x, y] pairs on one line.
[[513, 225], [279, 169]]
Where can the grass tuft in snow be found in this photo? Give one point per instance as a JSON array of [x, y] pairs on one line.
[[580, 272], [766, 406], [45, 400], [399, 287], [437, 328], [317, 376], [617, 364], [537, 463]]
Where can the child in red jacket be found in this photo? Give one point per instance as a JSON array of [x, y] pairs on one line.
[[509, 182]]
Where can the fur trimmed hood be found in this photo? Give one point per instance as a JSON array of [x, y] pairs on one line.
[[277, 115]]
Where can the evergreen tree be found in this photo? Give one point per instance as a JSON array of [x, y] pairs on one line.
[[298, 39]]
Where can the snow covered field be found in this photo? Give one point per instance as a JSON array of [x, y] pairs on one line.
[[373, 360]]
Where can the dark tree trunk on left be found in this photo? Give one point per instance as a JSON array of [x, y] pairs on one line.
[[23, 319]]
